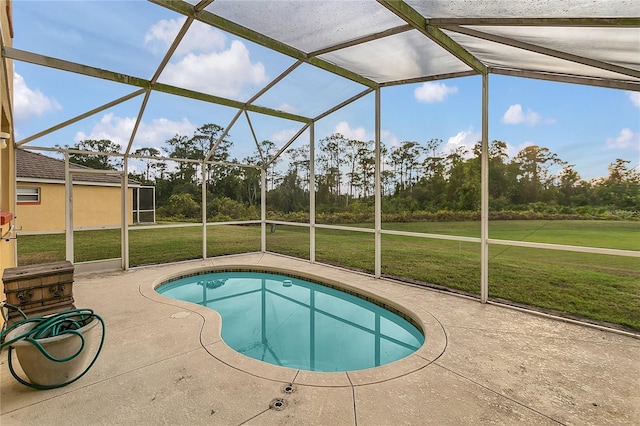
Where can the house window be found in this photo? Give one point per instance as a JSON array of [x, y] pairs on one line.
[[28, 194]]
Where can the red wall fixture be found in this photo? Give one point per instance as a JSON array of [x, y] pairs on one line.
[[5, 217]]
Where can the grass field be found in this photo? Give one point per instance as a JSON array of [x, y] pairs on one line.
[[146, 246], [602, 288]]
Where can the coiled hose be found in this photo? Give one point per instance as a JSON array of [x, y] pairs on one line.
[[67, 322]]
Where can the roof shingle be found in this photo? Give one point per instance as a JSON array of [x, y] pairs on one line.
[[37, 166]]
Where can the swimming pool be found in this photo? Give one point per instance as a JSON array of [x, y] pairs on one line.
[[296, 323]]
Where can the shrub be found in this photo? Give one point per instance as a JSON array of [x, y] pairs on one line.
[[180, 206]]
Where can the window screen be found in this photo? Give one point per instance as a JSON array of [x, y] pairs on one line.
[[28, 194]]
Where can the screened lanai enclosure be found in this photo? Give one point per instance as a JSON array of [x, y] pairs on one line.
[[319, 130]]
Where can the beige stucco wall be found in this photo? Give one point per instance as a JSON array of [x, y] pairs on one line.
[[93, 207], [7, 155]]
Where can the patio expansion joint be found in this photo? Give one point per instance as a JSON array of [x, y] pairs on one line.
[[353, 398], [212, 355], [259, 261], [515, 401], [254, 416]]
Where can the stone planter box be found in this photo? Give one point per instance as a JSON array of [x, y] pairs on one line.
[[39, 290]]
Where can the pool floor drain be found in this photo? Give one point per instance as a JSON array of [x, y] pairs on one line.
[[277, 404], [289, 388]]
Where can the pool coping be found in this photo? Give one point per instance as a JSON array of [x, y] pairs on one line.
[[211, 328]]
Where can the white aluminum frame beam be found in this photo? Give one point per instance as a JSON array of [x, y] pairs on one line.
[[544, 51], [224, 134], [438, 77], [377, 189], [124, 217], [187, 9], [377, 36], [47, 61], [312, 192], [165, 60], [124, 207], [263, 210], [255, 138], [68, 203], [285, 146], [203, 209], [484, 194], [419, 22], [572, 79], [626, 22], [343, 104], [275, 81], [80, 117]]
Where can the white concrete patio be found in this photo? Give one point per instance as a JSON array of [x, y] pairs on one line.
[[164, 363]]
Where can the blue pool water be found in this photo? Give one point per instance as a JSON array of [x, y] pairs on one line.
[[295, 323]]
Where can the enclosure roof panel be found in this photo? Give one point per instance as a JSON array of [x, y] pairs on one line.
[[617, 46], [397, 41], [405, 56], [308, 25], [502, 56], [249, 55]]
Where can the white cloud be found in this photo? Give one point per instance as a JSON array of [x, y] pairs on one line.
[[345, 130], [625, 140], [515, 115], [465, 138], [29, 102], [160, 129], [152, 134], [203, 62], [202, 38], [513, 150], [635, 98], [284, 135], [286, 108], [199, 38], [161, 34], [433, 92], [222, 73], [389, 139]]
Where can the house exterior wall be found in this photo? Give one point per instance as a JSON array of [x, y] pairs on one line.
[[7, 155], [94, 207]]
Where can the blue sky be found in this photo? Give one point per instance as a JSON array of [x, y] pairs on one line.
[[587, 126]]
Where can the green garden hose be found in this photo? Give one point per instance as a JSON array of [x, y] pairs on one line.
[[67, 322]]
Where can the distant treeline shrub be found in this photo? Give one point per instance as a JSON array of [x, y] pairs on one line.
[[183, 207]]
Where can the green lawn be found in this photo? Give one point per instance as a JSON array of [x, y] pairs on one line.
[[623, 235], [146, 246], [602, 288]]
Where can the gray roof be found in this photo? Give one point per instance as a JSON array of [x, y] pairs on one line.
[[32, 165]]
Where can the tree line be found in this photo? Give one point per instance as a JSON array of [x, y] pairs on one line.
[[414, 176]]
